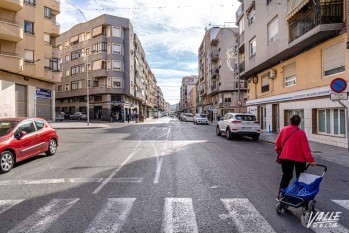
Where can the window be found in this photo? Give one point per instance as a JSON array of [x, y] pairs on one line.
[[227, 100], [66, 44], [66, 58], [39, 124], [74, 40], [75, 54], [97, 31], [67, 73], [116, 65], [47, 12], [99, 47], [273, 30], [253, 44], [47, 64], [88, 35], [27, 126], [28, 27], [30, 2], [67, 87], [74, 85], [47, 38], [116, 83], [331, 121], [81, 37], [268, 1], [299, 112], [60, 88], [28, 55], [60, 47], [116, 49], [265, 82], [241, 25], [290, 75], [333, 59], [116, 31], [87, 51], [54, 64], [251, 17]]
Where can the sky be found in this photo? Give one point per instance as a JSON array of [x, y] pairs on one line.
[[170, 31]]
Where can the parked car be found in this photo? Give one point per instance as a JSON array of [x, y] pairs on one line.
[[22, 138], [171, 115], [59, 116], [200, 119], [242, 124], [78, 116], [187, 117]]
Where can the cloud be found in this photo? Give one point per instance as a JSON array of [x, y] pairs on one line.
[[170, 31]]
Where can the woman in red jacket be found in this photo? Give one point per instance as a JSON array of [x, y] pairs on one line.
[[295, 151]]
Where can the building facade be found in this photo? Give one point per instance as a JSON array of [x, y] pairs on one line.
[[219, 89], [290, 70], [29, 66], [106, 52], [192, 100], [188, 83]]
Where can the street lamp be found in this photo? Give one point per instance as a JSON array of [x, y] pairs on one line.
[[87, 92]]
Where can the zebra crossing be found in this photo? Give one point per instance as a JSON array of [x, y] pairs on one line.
[[178, 215]]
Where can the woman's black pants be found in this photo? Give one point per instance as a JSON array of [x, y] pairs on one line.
[[287, 170]]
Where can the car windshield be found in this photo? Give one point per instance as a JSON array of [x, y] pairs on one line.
[[7, 126], [245, 117], [203, 116]]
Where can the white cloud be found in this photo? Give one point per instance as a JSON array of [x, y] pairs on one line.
[[177, 26]]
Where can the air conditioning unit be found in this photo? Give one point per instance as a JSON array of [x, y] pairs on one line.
[[271, 73]]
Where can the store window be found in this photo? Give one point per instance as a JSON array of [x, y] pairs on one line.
[[299, 112], [331, 121], [333, 59]]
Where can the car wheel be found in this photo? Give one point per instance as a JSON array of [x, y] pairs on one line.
[[228, 134], [52, 147], [184, 120], [218, 132], [6, 161], [255, 138]]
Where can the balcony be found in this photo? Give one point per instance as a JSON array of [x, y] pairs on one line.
[[214, 72], [242, 66], [12, 5], [329, 14], [243, 85], [214, 55], [55, 6], [241, 39], [55, 29], [214, 41], [214, 88], [239, 13], [11, 62], [10, 30]]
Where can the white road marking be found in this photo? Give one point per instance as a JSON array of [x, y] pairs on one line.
[[179, 216], [112, 216], [70, 180], [8, 204], [159, 160], [99, 188], [343, 203], [41, 220], [245, 216]]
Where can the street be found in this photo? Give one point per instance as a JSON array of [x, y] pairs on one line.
[[163, 175]]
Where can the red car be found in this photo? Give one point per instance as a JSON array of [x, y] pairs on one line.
[[22, 138]]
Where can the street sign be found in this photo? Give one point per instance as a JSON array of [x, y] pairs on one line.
[[338, 85], [239, 102], [339, 96], [42, 93]]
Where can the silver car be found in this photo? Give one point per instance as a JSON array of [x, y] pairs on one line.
[[200, 119]]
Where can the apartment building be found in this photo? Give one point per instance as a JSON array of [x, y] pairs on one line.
[[219, 87], [160, 99], [289, 71], [28, 58], [106, 52], [188, 83]]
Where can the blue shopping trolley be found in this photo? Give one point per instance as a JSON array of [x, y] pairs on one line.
[[301, 192]]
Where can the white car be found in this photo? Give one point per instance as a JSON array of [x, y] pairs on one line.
[[200, 119], [187, 117], [239, 124]]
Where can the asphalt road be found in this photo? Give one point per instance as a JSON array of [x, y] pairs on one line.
[[160, 176]]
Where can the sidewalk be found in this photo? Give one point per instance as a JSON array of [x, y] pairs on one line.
[[330, 153]]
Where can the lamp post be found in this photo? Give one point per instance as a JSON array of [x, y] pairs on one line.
[[87, 93]]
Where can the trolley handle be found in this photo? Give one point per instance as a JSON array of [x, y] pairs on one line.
[[318, 165]]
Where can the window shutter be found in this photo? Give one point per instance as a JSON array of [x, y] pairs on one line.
[[333, 57], [290, 70], [97, 31], [97, 65], [74, 39]]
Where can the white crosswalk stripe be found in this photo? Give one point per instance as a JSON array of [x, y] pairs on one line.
[[8, 204], [112, 216], [245, 216], [179, 216], [343, 203], [45, 216]]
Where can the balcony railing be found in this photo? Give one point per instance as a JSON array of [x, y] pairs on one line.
[[242, 66], [243, 84], [214, 87], [240, 11], [328, 13]]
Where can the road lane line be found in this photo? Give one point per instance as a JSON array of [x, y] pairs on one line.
[[112, 216], [159, 161], [179, 216], [41, 220], [99, 188], [343, 203], [8, 204], [245, 216]]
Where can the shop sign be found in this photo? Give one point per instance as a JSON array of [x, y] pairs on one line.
[[42, 93]]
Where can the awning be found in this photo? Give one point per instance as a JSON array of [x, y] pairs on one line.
[[74, 38], [293, 6], [97, 31]]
